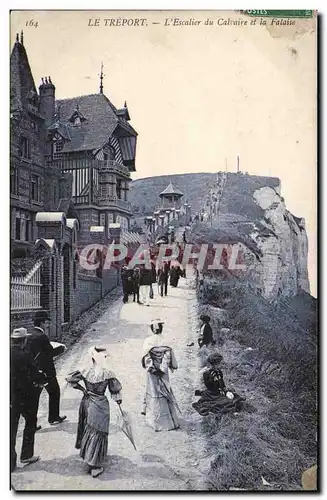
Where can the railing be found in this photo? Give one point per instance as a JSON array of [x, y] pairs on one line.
[[26, 290], [112, 166], [78, 200], [113, 201], [109, 166]]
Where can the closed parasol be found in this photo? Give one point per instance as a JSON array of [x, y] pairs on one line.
[[124, 423]]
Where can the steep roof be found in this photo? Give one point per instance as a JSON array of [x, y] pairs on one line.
[[170, 190], [101, 120], [21, 79]]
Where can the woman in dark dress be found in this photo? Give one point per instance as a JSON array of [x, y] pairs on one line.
[[175, 274], [206, 334], [215, 398], [94, 412]]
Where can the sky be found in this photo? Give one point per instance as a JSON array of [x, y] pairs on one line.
[[198, 95]]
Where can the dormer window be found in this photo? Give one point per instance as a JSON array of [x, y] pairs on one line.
[[77, 117], [108, 153]]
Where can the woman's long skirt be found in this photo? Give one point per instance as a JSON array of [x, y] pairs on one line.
[[93, 429], [161, 412]]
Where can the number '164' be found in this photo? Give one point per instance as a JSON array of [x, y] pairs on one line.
[[32, 23]]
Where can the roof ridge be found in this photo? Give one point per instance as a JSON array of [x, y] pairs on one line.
[[79, 96]]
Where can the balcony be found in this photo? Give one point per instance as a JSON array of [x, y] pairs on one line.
[[101, 166], [111, 166], [113, 202]]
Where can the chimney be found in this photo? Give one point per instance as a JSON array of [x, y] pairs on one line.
[[47, 100]]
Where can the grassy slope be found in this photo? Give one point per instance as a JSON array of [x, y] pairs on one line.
[[274, 435], [144, 193], [239, 214]]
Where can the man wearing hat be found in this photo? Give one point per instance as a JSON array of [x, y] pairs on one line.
[[24, 396], [43, 353]]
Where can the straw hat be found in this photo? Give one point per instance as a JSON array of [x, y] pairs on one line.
[[20, 333], [157, 322]]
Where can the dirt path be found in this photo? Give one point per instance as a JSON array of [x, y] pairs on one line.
[[172, 460]]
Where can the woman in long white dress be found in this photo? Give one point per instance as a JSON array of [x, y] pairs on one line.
[[160, 406]]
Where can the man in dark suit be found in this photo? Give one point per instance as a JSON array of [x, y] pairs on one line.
[[126, 277], [24, 397], [136, 284], [43, 353], [163, 274]]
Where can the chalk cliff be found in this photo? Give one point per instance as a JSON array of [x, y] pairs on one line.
[[283, 266], [250, 210]]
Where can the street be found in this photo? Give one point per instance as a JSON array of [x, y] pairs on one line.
[[173, 460]]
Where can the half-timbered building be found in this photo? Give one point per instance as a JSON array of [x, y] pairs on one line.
[[70, 167]]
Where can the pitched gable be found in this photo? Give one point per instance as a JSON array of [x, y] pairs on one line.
[[22, 86]]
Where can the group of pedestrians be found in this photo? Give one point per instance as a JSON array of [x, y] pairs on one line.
[[139, 282], [32, 369]]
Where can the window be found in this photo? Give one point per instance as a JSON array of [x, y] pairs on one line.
[[35, 188], [14, 180], [22, 226], [53, 273], [57, 148], [110, 221], [109, 153], [75, 274], [55, 196], [35, 126], [75, 269], [17, 227], [102, 219], [25, 150], [103, 189], [125, 190], [123, 221], [119, 189]]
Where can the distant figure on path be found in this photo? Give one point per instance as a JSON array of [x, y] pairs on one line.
[[206, 335], [136, 284], [158, 358], [43, 353], [163, 274], [153, 278], [145, 284], [24, 396], [175, 273], [126, 278], [94, 412]]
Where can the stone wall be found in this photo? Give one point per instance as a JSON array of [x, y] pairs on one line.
[[88, 293], [110, 279]]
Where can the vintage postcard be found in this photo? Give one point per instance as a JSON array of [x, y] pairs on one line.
[[163, 208]]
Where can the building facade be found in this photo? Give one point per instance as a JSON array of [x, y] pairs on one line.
[[70, 167]]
